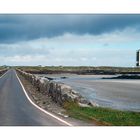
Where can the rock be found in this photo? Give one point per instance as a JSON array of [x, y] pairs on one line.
[[84, 105], [49, 78], [34, 97], [58, 92], [93, 104], [67, 93], [63, 77]]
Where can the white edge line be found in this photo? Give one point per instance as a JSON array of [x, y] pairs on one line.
[[4, 73], [46, 112]]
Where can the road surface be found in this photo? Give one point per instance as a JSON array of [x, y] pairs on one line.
[[16, 109]]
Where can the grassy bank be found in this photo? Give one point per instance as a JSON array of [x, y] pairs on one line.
[[103, 116]]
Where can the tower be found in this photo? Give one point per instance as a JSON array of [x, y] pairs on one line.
[[138, 58]]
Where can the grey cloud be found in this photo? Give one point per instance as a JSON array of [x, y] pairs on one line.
[[15, 28]]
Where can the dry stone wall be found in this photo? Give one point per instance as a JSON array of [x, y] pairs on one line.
[[59, 92], [2, 71]]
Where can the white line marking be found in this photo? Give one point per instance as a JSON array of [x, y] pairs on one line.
[[4, 73], [46, 112]]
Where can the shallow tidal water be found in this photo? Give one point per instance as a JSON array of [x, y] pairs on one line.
[[112, 93]]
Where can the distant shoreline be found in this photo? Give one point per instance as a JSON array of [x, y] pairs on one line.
[[123, 77], [83, 70]]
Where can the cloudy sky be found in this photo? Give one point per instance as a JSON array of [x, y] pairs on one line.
[[71, 40]]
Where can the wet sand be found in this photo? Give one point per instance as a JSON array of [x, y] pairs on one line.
[[112, 93]]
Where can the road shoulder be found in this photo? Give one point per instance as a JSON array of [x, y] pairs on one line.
[[45, 102]]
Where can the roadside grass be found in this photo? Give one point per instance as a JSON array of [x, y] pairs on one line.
[[103, 116]]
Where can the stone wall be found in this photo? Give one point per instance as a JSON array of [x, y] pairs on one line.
[[2, 71], [59, 92]]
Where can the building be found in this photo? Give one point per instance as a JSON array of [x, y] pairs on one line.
[[138, 58]]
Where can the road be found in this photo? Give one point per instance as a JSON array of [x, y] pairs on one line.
[[16, 109]]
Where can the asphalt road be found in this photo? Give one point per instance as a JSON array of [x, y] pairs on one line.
[[16, 109]]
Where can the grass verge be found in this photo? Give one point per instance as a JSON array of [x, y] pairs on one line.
[[103, 116]]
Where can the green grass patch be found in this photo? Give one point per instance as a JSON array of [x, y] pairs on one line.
[[103, 116]]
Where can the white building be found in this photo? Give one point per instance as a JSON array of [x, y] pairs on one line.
[[138, 58]]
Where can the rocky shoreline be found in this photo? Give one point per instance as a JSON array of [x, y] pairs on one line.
[[124, 77], [2, 71], [59, 92], [84, 72]]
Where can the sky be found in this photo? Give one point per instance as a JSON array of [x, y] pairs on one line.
[[69, 40]]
